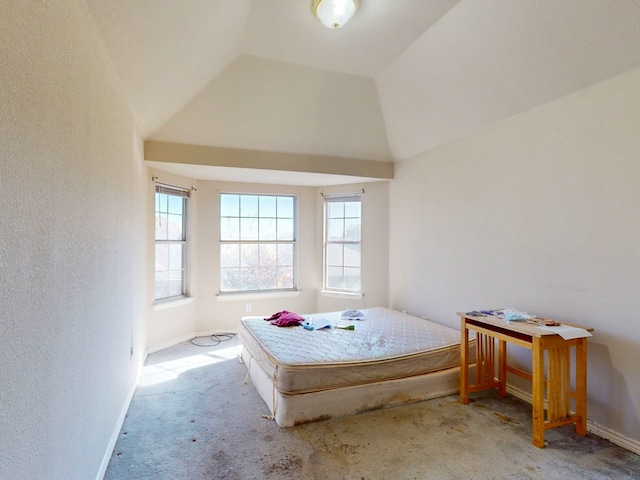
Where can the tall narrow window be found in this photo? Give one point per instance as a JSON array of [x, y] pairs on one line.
[[342, 243], [257, 242], [171, 241]]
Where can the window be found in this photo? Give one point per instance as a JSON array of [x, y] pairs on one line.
[[342, 242], [257, 242], [171, 241]]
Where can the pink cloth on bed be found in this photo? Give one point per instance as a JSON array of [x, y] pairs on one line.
[[285, 319]]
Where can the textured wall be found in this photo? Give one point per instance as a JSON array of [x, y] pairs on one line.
[[72, 251], [540, 213]]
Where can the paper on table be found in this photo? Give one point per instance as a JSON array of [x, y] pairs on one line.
[[567, 332]]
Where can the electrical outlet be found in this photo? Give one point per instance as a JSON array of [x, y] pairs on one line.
[[247, 307]]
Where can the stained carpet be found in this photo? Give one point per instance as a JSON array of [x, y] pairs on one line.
[[192, 417]]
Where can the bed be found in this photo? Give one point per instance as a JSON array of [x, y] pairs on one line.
[[389, 358]]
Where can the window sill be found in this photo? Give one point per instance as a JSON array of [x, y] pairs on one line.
[[347, 295], [241, 297], [177, 302]]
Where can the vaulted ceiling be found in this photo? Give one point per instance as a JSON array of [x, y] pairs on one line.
[[402, 77]]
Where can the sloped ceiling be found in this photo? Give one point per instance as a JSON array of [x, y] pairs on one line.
[[401, 77]]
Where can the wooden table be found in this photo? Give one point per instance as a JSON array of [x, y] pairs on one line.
[[558, 373]]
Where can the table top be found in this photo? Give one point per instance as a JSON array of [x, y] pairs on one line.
[[519, 326]]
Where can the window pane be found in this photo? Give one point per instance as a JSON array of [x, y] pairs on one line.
[[229, 255], [162, 226], [248, 229], [258, 241], [175, 227], [248, 206], [170, 218], [285, 277], [162, 258], [162, 202], [268, 278], [335, 229], [267, 228], [335, 209], [352, 209], [343, 235], [285, 207], [267, 206], [334, 254], [285, 255], [285, 229], [175, 283], [229, 228], [229, 205], [352, 255], [175, 256], [250, 278], [334, 277], [268, 255], [249, 255], [162, 285], [230, 279], [351, 278], [352, 229], [175, 204]]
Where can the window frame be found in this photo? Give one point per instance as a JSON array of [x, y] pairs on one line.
[[293, 242], [328, 199], [184, 194]]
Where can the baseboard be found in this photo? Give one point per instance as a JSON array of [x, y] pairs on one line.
[[600, 430], [116, 431], [216, 332], [170, 343]]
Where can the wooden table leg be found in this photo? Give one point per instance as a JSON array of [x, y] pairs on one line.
[[464, 362], [581, 386], [502, 368], [538, 392]]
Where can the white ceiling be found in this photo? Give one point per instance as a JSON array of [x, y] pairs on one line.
[[402, 77]]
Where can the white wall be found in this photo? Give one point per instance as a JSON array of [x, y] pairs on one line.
[[208, 312], [539, 212], [72, 245]]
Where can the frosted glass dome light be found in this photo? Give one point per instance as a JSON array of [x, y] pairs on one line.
[[334, 13]]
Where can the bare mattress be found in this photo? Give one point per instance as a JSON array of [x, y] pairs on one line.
[[384, 348]]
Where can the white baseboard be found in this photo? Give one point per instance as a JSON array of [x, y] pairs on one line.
[[600, 430], [116, 431], [170, 343], [216, 332], [186, 338]]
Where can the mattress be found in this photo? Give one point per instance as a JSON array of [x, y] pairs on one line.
[[386, 345]]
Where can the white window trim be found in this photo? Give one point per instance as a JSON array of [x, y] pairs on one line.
[[266, 295], [168, 302], [341, 294], [271, 293], [171, 302], [338, 293]]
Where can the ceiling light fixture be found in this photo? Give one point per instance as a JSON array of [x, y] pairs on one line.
[[334, 13]]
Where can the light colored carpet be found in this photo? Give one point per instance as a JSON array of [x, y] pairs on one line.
[[193, 418]]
